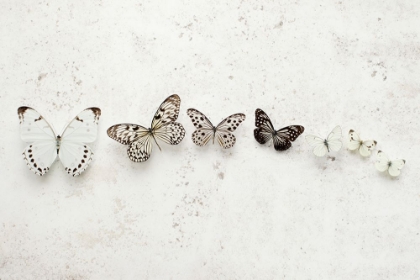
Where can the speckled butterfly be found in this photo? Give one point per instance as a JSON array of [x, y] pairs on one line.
[[222, 132], [282, 138], [44, 145], [163, 127]]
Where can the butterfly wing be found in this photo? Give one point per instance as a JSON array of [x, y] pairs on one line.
[[42, 151], [354, 140], [167, 112], [285, 136], [84, 127], [334, 139], [205, 129], [75, 157], [127, 133], [318, 144], [136, 136], [366, 147], [141, 149], [395, 167], [223, 130], [163, 124], [382, 161], [265, 130]]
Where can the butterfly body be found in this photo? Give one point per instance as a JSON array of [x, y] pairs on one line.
[[323, 146], [163, 127], [70, 147], [221, 132], [281, 138]]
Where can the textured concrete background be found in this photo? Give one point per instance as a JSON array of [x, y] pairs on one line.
[[207, 213]]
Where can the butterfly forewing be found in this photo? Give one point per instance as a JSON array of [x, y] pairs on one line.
[[199, 120], [231, 123], [168, 112], [127, 133], [33, 127], [84, 127]]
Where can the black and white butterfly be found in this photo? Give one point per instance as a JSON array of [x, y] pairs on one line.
[[393, 166], [222, 132], [322, 146], [163, 127], [282, 138], [356, 143], [70, 147]]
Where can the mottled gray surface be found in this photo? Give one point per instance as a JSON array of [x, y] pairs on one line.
[[207, 213]]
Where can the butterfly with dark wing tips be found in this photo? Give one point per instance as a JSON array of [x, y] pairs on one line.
[[281, 138], [163, 127], [222, 132], [70, 147]]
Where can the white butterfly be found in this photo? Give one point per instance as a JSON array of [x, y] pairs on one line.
[[322, 146], [364, 147], [163, 127], [393, 167], [222, 132], [70, 147]]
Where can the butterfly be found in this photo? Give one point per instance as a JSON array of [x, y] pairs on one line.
[[393, 167], [364, 147], [70, 147], [163, 127], [322, 146], [281, 138], [222, 132]]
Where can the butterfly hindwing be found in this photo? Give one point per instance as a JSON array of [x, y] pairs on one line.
[[75, 157], [40, 155], [202, 136], [171, 133], [141, 149]]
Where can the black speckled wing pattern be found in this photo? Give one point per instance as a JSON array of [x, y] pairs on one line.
[[163, 127], [282, 138], [222, 132]]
